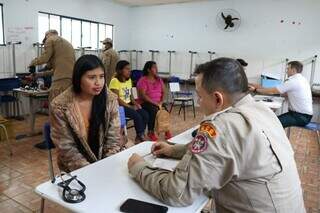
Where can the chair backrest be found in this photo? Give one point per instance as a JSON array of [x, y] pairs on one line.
[[134, 93], [174, 79], [174, 87], [136, 75], [8, 84], [122, 117]]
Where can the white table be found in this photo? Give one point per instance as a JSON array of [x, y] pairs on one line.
[[276, 103], [109, 185], [184, 137], [32, 96]]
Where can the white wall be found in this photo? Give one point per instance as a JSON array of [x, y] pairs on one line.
[[22, 15], [261, 39]]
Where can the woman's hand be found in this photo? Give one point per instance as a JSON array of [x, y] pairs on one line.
[[137, 106]]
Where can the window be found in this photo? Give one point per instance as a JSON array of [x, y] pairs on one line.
[[79, 32], [109, 30], [94, 35], [54, 23], [1, 26], [102, 33], [86, 34], [66, 28], [105, 31], [76, 33]]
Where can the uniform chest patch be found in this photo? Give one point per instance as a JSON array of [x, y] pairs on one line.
[[209, 129], [199, 144]]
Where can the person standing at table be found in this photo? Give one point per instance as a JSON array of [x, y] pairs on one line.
[[59, 56], [298, 91], [241, 155], [84, 118], [109, 59]]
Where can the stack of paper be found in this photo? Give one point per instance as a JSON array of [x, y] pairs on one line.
[[162, 163]]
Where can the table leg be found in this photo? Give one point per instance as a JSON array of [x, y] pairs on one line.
[[18, 104], [317, 101], [32, 115], [31, 118], [6, 107], [42, 205], [282, 106]]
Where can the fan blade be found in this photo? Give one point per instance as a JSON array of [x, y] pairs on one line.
[[223, 16]]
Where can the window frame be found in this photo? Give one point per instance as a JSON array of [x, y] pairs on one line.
[[81, 20], [3, 42]]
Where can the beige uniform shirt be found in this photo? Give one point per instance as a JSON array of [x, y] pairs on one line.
[[109, 59], [241, 157], [59, 55]]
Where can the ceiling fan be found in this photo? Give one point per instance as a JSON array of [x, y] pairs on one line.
[[228, 20]]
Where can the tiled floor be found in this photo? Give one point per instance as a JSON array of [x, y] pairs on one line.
[[27, 168]]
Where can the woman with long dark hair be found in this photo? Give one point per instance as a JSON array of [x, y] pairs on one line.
[[151, 92], [121, 85], [85, 119]]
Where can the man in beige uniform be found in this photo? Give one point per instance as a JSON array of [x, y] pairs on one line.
[[240, 156], [59, 56], [109, 59]]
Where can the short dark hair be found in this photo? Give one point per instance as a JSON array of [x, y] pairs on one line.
[[98, 109], [147, 66], [120, 66], [226, 74], [297, 65]]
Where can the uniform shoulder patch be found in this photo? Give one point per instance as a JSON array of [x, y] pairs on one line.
[[199, 144], [208, 128]]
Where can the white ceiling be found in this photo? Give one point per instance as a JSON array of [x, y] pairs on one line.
[[152, 2]]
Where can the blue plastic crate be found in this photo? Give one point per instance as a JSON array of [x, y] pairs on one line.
[[8, 84], [268, 82]]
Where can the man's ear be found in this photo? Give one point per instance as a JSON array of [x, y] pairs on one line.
[[219, 98]]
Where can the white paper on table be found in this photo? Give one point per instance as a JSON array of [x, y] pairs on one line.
[[162, 163], [167, 164]]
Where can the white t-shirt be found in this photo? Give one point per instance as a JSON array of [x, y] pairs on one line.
[[299, 94]]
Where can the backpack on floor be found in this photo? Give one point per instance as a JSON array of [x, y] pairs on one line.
[[162, 122]]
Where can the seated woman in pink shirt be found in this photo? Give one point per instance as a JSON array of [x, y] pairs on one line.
[[151, 92]]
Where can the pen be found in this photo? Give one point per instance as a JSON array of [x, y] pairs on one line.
[[143, 156]]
